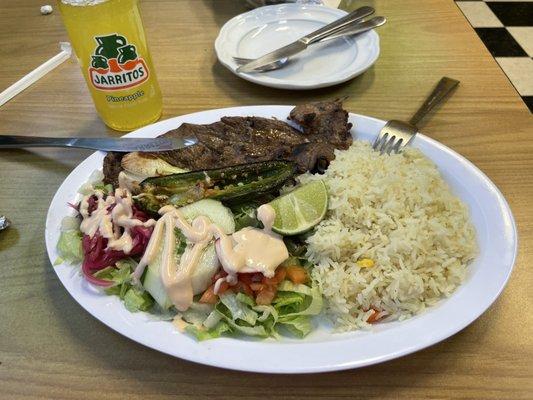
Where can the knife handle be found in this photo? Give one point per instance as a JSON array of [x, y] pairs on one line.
[[338, 24], [356, 29], [16, 142]]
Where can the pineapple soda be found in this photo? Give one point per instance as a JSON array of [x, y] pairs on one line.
[[109, 41]]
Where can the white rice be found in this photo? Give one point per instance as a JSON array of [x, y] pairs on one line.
[[398, 211]]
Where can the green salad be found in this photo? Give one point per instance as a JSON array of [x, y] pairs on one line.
[[221, 263]]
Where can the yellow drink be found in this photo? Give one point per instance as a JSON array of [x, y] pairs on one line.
[[108, 39]]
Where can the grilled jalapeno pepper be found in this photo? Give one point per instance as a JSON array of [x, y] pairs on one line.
[[225, 184]]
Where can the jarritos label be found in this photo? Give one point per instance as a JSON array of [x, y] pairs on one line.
[[115, 64]]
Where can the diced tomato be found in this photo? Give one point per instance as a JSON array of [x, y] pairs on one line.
[[246, 278], [222, 287], [256, 287], [265, 296], [297, 274], [241, 287], [373, 317], [250, 278], [280, 275], [209, 296], [269, 281], [220, 274]]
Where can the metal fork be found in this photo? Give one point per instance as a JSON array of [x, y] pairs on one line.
[[395, 135]]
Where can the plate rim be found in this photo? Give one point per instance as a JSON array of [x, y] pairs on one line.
[[280, 84], [426, 342]]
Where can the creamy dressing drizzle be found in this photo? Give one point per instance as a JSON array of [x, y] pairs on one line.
[[252, 249], [109, 224], [248, 250]]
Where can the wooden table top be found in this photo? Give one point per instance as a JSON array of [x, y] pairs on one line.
[[51, 348]]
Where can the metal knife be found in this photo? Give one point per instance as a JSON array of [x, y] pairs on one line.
[[105, 144], [302, 43]]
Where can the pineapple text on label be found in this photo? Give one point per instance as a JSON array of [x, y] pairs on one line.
[[130, 97]]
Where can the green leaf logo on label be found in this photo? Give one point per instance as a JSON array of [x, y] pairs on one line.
[[115, 64]]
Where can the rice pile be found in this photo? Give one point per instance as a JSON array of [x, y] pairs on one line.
[[398, 212]]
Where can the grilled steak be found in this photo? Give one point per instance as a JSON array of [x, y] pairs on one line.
[[326, 121], [238, 140]]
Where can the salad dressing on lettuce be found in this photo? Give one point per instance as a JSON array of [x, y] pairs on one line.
[[108, 223], [248, 250]]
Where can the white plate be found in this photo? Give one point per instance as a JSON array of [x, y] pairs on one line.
[[260, 31], [321, 350]]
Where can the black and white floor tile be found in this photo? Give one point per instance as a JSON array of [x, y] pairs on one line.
[[506, 29]]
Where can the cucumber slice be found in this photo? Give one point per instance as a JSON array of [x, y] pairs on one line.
[[206, 268], [208, 263], [153, 284], [212, 209]]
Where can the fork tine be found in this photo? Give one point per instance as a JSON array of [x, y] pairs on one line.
[[395, 147], [383, 143], [382, 138], [388, 145]]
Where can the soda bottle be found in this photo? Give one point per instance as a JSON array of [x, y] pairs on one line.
[[108, 39]]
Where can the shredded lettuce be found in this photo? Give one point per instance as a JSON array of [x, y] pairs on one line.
[[107, 189], [135, 298], [233, 308], [268, 318], [196, 315], [257, 330], [69, 247], [311, 305], [203, 322], [212, 319], [95, 183], [201, 333], [69, 223], [288, 299], [244, 298], [299, 326], [119, 274], [266, 313], [85, 189], [290, 312]]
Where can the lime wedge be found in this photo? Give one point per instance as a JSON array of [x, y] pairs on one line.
[[301, 209]]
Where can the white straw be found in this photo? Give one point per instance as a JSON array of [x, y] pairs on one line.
[[37, 73]]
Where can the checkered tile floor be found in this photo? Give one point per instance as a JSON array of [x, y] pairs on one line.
[[506, 29]]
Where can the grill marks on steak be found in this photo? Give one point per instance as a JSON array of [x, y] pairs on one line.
[[233, 140], [239, 140]]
